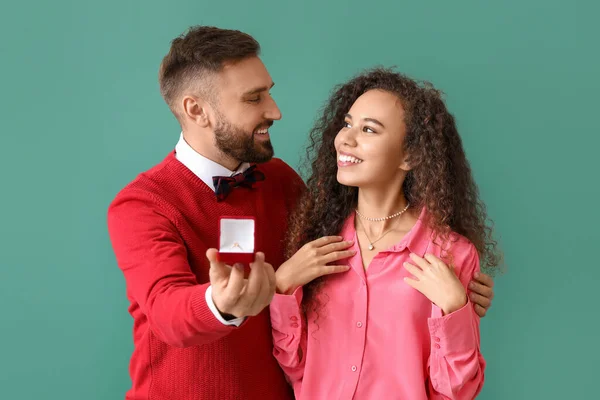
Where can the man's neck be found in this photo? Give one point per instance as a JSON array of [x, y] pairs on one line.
[[197, 141]]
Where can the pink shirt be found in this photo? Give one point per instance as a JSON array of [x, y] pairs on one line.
[[378, 338]]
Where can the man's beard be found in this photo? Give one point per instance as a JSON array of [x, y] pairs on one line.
[[239, 144]]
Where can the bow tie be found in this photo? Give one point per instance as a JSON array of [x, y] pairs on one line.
[[225, 184]]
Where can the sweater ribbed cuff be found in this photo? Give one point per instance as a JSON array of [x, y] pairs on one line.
[[203, 313]]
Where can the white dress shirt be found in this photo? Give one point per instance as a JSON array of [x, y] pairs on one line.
[[205, 169]]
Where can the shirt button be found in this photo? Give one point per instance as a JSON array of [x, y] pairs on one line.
[[437, 346], [294, 325], [359, 324], [354, 368], [437, 339], [294, 318]]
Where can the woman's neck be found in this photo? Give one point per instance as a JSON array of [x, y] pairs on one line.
[[381, 203]]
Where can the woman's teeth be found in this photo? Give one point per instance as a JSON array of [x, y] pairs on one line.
[[344, 158]]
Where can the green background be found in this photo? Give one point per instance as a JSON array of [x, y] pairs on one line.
[[81, 115]]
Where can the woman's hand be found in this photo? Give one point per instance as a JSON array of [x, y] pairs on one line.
[[310, 262], [436, 281]]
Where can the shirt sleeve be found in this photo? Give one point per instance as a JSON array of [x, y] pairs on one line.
[[216, 313], [153, 258], [289, 336], [456, 365]]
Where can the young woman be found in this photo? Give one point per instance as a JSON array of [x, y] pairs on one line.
[[390, 317]]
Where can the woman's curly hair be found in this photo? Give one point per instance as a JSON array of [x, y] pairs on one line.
[[440, 178]]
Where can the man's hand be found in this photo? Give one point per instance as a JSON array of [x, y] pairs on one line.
[[236, 297], [481, 293]]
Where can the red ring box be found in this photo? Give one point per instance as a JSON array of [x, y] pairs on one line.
[[236, 239]]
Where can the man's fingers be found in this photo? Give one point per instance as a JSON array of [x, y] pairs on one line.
[[260, 291], [269, 272], [236, 282], [259, 257], [211, 254], [219, 271], [484, 279], [480, 310], [269, 286], [481, 289], [256, 278], [479, 299], [271, 275]]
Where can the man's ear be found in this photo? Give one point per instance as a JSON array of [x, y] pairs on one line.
[[196, 110]]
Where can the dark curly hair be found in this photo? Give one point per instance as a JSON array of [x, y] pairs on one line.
[[440, 178]]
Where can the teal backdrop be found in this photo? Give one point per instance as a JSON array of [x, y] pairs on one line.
[[81, 115]]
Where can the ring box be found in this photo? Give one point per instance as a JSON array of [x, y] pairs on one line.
[[236, 239]]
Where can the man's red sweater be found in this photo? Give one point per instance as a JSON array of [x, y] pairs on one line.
[[161, 225]]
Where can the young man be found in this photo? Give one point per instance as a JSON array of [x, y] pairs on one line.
[[201, 330]]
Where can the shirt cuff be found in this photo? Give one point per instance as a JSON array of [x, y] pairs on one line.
[[455, 332], [211, 305], [285, 310]]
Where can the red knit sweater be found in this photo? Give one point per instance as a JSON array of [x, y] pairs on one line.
[[161, 225]]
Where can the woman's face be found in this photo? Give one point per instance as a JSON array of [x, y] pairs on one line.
[[370, 150]]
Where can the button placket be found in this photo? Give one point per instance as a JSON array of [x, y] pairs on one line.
[[359, 336]]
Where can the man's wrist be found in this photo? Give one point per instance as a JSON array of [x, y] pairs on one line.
[[224, 318]]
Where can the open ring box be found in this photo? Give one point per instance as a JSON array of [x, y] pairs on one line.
[[236, 240]]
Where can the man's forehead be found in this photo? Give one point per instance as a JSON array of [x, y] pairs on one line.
[[245, 76]]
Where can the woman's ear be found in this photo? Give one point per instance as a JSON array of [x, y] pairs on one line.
[[405, 165]]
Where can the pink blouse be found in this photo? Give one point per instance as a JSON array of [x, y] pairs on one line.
[[375, 337]]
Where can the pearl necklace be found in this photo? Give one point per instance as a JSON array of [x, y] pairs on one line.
[[372, 242], [384, 218]]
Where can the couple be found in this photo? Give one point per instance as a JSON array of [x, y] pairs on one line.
[[366, 284]]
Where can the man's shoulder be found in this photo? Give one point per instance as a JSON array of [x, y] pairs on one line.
[[276, 167], [150, 184], [281, 176]]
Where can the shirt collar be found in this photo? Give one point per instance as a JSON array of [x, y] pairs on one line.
[[201, 166], [417, 239]]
